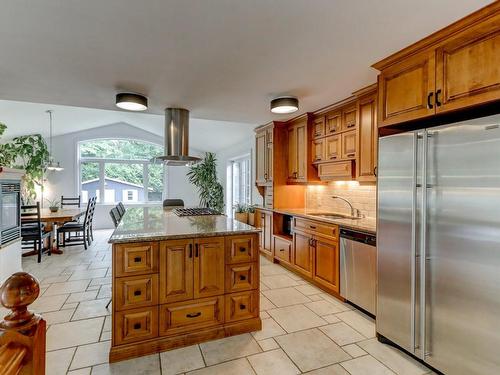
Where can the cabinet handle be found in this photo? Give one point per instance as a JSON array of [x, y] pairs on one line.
[[137, 259], [193, 315], [438, 102], [265, 176], [196, 250], [315, 242], [317, 159], [243, 277], [242, 249], [310, 241], [190, 250], [137, 326], [137, 293], [351, 126], [351, 155], [282, 249], [333, 157], [429, 100], [333, 130], [375, 171], [312, 227], [262, 216], [242, 306]]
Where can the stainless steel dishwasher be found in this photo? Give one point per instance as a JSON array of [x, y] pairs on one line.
[[358, 268]]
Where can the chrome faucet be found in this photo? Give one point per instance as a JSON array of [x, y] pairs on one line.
[[354, 211]]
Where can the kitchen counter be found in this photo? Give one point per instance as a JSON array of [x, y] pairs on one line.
[[364, 224], [147, 223]]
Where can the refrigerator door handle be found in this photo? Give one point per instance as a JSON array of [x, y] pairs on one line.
[[414, 242]]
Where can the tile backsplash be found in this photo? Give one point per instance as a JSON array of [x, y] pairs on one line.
[[362, 197]]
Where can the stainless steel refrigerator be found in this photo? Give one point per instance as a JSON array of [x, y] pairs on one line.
[[438, 245]]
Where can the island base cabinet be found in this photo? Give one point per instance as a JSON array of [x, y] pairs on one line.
[[183, 292]]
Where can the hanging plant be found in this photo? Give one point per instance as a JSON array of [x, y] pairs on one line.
[[28, 152], [204, 176]]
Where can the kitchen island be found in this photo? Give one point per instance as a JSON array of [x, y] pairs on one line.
[[179, 281]]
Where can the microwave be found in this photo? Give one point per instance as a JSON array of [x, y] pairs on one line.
[[10, 211]]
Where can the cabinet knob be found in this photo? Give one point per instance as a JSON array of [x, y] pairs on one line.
[[137, 293], [242, 306], [242, 249], [243, 277], [137, 326], [137, 259]]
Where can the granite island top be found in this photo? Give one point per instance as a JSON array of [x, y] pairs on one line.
[[365, 224], [154, 223]]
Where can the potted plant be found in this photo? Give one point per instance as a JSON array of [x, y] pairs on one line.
[[53, 205], [240, 212], [204, 176], [251, 214]]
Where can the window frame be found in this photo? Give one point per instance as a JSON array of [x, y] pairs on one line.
[[103, 161], [230, 181]]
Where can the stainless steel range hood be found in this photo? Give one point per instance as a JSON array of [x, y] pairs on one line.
[[177, 139]]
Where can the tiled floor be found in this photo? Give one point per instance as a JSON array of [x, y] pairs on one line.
[[304, 329]]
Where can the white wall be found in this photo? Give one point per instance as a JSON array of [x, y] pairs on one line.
[[225, 156], [66, 181]]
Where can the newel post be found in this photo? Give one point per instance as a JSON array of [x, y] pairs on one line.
[[21, 327]]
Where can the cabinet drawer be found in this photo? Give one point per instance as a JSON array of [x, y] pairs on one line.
[[315, 227], [240, 306], [282, 249], [241, 277], [190, 315], [336, 171], [135, 291], [136, 258], [241, 249], [135, 325]]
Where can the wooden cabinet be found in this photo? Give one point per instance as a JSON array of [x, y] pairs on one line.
[[319, 127], [264, 155], [176, 270], [244, 305], [208, 267], [326, 263], [332, 152], [367, 138], [302, 259], [135, 325], [241, 277], [136, 258], [349, 118], [349, 144], [297, 152], [454, 68], [136, 291], [264, 221], [282, 249], [333, 123], [318, 150]]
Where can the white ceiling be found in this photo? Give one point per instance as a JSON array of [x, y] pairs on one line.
[[28, 118], [222, 59]]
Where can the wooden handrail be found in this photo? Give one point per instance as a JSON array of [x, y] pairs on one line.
[[22, 333]]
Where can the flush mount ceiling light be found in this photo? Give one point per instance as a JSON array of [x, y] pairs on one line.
[[285, 104], [131, 102]]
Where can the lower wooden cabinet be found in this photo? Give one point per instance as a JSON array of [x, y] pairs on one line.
[[209, 267], [241, 277], [283, 249], [302, 259], [136, 291], [135, 325], [264, 221], [326, 263], [176, 270], [240, 306], [185, 316]]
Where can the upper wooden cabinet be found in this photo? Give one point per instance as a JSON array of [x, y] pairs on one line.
[[454, 68], [319, 127], [300, 150], [264, 155], [367, 137]]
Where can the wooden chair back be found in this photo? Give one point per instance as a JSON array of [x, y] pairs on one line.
[[30, 216]]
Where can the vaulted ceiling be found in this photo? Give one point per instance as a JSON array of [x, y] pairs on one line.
[[222, 59]]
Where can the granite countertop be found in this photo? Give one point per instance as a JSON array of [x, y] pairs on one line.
[[153, 223], [366, 224]]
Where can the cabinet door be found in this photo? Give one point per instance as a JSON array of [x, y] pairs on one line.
[[269, 155], [333, 123], [302, 158], [468, 67], [367, 139], [260, 157], [349, 118], [302, 253], [208, 267], [318, 150], [332, 148], [292, 153], [326, 263], [319, 127], [259, 223], [268, 231], [349, 145], [406, 89], [176, 270]]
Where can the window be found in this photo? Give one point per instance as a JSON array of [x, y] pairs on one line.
[[238, 182], [120, 170]]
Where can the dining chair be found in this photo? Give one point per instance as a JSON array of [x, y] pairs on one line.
[[91, 224], [70, 201], [115, 216], [121, 208], [33, 231], [81, 230]]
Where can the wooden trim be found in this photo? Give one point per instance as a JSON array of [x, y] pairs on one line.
[[439, 36]]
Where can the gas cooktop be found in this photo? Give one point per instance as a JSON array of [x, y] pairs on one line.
[[200, 211]]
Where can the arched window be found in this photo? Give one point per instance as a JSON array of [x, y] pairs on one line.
[[115, 170]]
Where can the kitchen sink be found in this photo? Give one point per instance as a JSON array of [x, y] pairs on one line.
[[336, 216]]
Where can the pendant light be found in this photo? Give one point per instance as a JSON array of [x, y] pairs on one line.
[[284, 104], [131, 101], [52, 165]]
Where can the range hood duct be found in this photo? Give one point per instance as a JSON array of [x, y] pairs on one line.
[[177, 139]]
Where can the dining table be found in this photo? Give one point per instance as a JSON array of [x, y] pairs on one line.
[[61, 216]]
